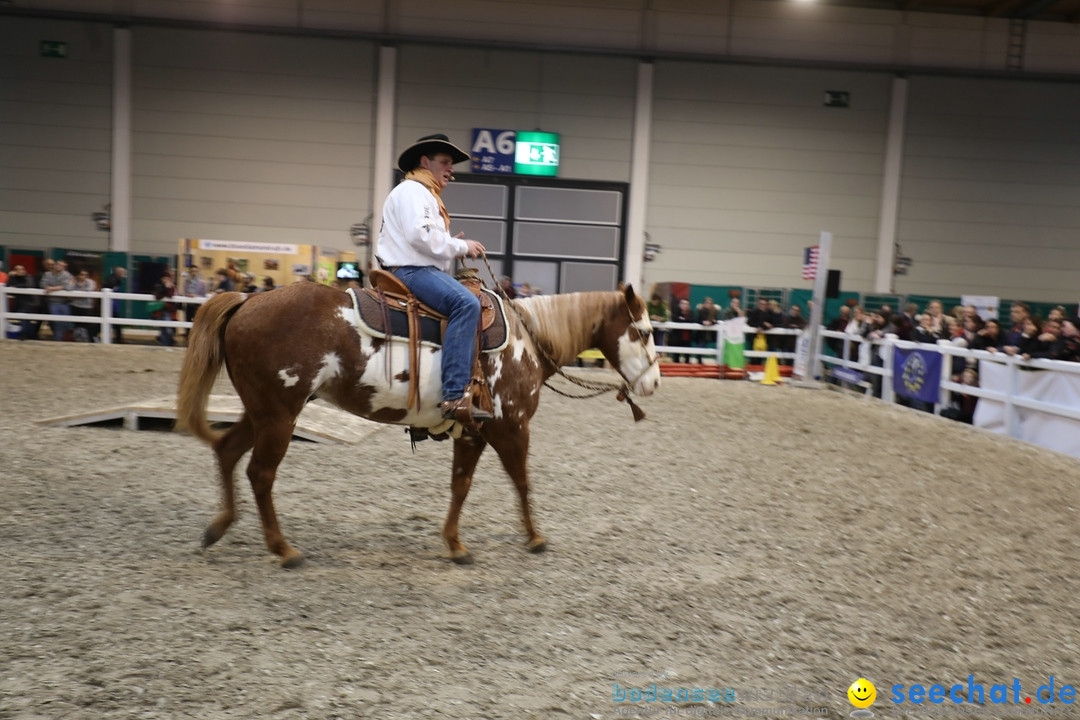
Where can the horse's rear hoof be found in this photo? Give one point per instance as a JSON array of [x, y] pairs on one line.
[[464, 558], [537, 546], [292, 561]]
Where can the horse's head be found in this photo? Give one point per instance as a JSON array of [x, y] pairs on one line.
[[628, 343]]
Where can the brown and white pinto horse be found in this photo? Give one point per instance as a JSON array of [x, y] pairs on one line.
[[283, 347]]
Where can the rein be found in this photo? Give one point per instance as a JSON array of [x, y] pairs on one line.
[[597, 387]]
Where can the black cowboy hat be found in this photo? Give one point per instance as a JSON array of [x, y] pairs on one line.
[[429, 145]]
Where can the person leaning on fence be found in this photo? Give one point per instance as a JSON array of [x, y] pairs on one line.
[[659, 312], [708, 314], [1067, 346], [84, 307], [193, 287], [56, 280], [116, 282], [681, 337], [19, 278], [163, 308], [415, 244]]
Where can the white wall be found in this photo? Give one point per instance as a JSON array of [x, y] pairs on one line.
[[249, 137], [589, 100], [748, 165], [990, 196], [55, 120]]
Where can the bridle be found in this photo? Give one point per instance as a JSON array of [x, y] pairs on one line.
[[596, 387]]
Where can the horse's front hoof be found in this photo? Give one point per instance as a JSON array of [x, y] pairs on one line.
[[210, 536], [463, 557], [293, 560], [536, 545]]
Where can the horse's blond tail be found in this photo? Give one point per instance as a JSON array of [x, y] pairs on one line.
[[202, 363]]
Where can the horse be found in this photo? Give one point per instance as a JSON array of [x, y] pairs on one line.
[[287, 346]]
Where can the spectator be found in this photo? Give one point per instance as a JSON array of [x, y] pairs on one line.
[[681, 337], [761, 317], [1045, 341], [876, 330], [708, 314], [525, 290], [117, 282], [165, 308], [247, 283], [659, 312], [56, 279], [905, 322], [794, 320], [937, 320], [1068, 345], [962, 407], [989, 337], [84, 307], [1018, 313], [1056, 313], [19, 278], [838, 324], [194, 287], [734, 309], [857, 325], [268, 284], [223, 282], [3, 275], [507, 286]]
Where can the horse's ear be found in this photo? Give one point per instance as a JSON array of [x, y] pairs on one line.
[[629, 293]]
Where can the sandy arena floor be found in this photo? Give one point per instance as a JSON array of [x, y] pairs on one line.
[[742, 537]]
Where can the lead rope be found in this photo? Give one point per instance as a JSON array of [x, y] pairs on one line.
[[597, 387]]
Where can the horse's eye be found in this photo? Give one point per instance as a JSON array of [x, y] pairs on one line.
[[645, 335]]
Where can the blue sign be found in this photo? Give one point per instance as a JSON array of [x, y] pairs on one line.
[[492, 151], [917, 374]]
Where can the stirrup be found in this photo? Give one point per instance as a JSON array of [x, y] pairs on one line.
[[462, 411]]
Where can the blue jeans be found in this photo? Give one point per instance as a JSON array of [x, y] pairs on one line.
[[438, 290], [59, 329]]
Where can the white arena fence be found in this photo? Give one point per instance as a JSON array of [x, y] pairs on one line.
[[104, 318], [1037, 401]]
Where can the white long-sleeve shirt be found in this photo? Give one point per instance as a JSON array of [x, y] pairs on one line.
[[413, 231]]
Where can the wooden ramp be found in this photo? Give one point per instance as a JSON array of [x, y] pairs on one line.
[[319, 422]]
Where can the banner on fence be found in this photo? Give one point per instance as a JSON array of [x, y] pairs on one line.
[[1033, 426], [917, 374], [734, 339]]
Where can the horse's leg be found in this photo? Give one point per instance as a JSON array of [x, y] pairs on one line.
[[236, 441], [271, 444], [513, 450], [467, 450]]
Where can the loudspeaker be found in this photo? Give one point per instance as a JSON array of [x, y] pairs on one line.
[[832, 284]]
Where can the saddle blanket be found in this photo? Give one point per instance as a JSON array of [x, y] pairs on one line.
[[368, 317]]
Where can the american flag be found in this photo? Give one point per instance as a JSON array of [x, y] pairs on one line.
[[809, 263]]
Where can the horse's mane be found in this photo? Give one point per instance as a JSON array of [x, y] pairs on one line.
[[564, 324]]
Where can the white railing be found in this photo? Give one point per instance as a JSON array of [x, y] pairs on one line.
[[1009, 391], [1008, 402], [104, 318], [717, 353]]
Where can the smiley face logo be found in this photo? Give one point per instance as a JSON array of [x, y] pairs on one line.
[[862, 693]]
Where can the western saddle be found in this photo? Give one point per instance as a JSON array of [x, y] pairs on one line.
[[393, 295]]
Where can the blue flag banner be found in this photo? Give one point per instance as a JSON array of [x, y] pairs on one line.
[[917, 374]]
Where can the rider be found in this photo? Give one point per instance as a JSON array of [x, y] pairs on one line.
[[416, 246]]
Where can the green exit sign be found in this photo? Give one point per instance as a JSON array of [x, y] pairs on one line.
[[536, 153], [54, 49]]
